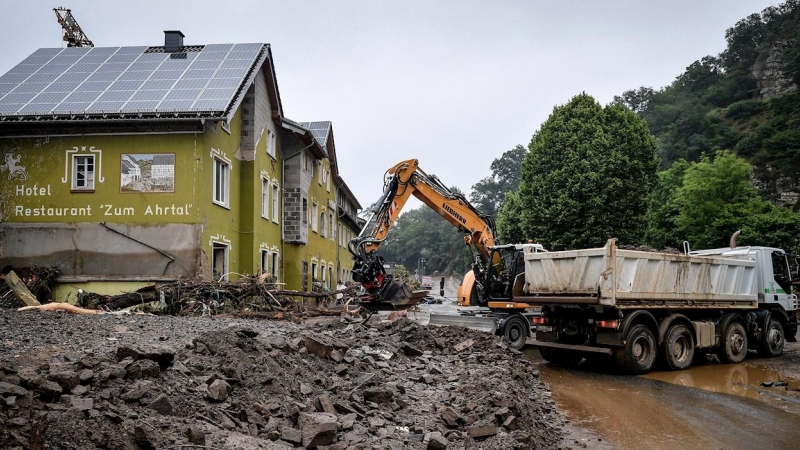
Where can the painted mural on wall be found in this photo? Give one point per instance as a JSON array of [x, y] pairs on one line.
[[15, 171], [147, 173]]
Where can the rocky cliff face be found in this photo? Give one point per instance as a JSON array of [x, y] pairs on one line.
[[768, 72]]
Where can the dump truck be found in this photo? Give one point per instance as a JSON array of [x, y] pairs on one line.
[[641, 308]]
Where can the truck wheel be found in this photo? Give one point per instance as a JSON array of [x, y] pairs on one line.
[[639, 354], [516, 330], [678, 347], [772, 342], [733, 348], [564, 358]]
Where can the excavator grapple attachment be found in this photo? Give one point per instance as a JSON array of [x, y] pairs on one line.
[[393, 296]]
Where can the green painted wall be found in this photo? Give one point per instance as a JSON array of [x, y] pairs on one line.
[[44, 195]]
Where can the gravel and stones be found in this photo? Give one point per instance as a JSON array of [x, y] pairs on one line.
[[139, 381]]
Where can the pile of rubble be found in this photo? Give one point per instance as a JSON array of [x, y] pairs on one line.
[[72, 382]]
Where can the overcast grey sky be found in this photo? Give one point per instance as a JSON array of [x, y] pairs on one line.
[[452, 83]]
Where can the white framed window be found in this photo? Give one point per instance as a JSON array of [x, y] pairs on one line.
[[313, 271], [331, 223], [265, 261], [222, 181], [322, 226], [320, 171], [271, 143], [274, 265], [314, 217], [276, 196], [265, 188], [83, 172], [328, 181], [219, 261]]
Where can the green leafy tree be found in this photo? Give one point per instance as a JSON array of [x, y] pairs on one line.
[[509, 226], [587, 176], [664, 209], [489, 193], [715, 199], [707, 201]]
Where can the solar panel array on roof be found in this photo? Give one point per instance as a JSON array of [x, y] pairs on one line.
[[78, 80], [318, 129]]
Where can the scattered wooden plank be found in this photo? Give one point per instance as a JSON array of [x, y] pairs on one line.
[[20, 290]]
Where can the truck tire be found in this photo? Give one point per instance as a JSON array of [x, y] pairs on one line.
[[557, 357], [678, 347], [639, 353], [516, 330], [733, 347], [773, 340]]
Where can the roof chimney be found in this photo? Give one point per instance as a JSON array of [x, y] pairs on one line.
[[173, 41]]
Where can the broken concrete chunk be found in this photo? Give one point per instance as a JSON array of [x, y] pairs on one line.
[[482, 430], [82, 404], [137, 391], [318, 345], [67, 379], [450, 417], [464, 345], [161, 355], [510, 423], [378, 395], [7, 389], [317, 429], [410, 350], [435, 441], [291, 435], [162, 404], [218, 391], [325, 404], [277, 341], [144, 368]]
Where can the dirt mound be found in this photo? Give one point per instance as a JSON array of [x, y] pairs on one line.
[[177, 382]]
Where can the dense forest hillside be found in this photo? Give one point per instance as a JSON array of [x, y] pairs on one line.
[[744, 100]]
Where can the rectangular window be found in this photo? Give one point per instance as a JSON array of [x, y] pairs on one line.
[[221, 182], [305, 211], [265, 198], [264, 261], [320, 171], [331, 225], [314, 217], [313, 272], [271, 143], [276, 196], [83, 173], [274, 265], [219, 261], [328, 181]]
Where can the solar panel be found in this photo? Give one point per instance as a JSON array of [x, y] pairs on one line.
[[119, 79], [37, 108]]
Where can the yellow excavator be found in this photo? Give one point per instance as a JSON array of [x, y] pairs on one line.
[[496, 268]]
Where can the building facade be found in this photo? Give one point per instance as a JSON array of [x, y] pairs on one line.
[[128, 166]]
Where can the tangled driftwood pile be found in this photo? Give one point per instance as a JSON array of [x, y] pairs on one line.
[[249, 295]]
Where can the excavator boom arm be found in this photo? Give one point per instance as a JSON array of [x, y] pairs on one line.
[[404, 180]]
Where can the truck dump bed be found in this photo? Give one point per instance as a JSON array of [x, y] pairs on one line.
[[627, 278]]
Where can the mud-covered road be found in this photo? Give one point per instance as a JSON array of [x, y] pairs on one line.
[[710, 406]]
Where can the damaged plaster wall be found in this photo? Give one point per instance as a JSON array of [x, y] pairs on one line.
[[112, 251]]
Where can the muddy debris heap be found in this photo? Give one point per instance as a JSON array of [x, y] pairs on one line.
[[276, 385]]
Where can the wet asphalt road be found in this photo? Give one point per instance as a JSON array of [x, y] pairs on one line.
[[724, 410]]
